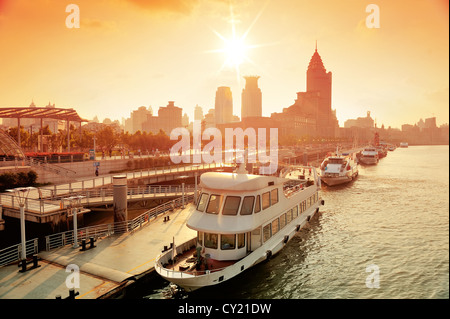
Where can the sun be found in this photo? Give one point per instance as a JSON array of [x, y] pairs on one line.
[[235, 47], [235, 52]]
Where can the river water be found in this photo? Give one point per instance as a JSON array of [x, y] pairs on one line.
[[388, 229]]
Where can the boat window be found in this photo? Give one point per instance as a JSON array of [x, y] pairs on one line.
[[289, 216], [274, 196], [241, 240], [247, 205], [275, 226], [200, 238], [227, 242], [295, 212], [211, 240], [265, 200], [258, 204], [267, 233], [282, 221], [231, 205], [214, 204], [202, 202], [336, 161]]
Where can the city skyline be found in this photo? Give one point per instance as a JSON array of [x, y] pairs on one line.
[[132, 53]]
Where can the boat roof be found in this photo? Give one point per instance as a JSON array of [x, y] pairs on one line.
[[237, 182]]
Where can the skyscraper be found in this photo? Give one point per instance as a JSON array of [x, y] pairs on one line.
[[311, 114], [224, 105], [318, 80], [198, 113], [251, 98]]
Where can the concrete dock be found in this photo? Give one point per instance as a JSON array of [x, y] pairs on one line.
[[114, 264]]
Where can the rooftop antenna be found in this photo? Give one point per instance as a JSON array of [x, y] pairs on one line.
[[316, 45]]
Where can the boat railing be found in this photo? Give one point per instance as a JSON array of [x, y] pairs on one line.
[[164, 259], [173, 273]]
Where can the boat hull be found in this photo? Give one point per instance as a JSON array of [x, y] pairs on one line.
[[333, 181], [369, 160], [190, 282]]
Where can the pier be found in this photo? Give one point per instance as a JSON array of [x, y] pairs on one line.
[[46, 205], [106, 271]]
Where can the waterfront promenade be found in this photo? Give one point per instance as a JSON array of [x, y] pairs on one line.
[[116, 262]]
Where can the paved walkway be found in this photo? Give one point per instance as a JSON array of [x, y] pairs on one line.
[[103, 268]]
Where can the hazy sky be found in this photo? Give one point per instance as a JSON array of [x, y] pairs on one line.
[[131, 53]]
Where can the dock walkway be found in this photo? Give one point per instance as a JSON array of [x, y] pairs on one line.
[[114, 262]]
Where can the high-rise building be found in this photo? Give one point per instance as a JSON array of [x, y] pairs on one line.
[[138, 117], [251, 98], [311, 114], [168, 118], [224, 105], [198, 113]]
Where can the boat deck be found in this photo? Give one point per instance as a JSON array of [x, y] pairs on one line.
[[187, 262]]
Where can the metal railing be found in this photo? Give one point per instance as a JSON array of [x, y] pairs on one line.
[[48, 166], [104, 230], [13, 253], [49, 202]]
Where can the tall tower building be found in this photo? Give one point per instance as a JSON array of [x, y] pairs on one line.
[[319, 80], [198, 113], [251, 98], [224, 105]]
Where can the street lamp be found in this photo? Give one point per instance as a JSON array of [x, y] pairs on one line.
[[195, 182], [74, 203], [21, 193], [182, 189]]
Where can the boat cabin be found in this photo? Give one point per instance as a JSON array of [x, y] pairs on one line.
[[237, 213]]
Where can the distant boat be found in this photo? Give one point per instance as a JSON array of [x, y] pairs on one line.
[[404, 144], [392, 148], [369, 155], [338, 169], [382, 152]]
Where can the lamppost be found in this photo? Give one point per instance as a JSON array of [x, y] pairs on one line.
[[195, 182], [74, 204], [182, 189], [21, 193]]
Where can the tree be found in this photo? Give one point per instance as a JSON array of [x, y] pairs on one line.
[[107, 138]]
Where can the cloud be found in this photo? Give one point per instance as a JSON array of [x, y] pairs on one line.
[[97, 24], [174, 6]]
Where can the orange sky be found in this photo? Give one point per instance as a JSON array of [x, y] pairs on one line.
[[129, 53]]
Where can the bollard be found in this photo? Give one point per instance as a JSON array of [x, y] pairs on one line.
[[35, 261], [83, 244], [91, 242], [72, 294], [23, 265]]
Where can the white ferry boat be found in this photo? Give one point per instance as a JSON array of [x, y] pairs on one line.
[[338, 169], [404, 144], [369, 155], [241, 220]]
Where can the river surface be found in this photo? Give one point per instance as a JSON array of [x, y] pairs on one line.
[[388, 229]]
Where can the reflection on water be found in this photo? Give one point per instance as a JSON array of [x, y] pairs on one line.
[[394, 215]]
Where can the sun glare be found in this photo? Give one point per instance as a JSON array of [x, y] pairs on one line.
[[235, 50]]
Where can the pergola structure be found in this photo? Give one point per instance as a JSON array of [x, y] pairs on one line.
[[68, 115]]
